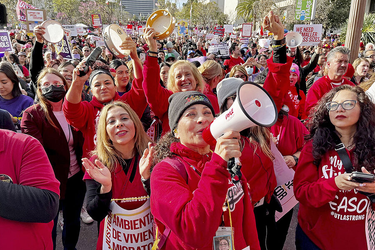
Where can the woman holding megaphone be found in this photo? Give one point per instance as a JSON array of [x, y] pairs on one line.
[[193, 197]]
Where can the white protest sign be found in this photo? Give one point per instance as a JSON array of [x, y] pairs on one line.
[[223, 49], [72, 29], [233, 36], [209, 36], [80, 30], [264, 43], [100, 43], [247, 29], [141, 31], [311, 33], [284, 176], [228, 28], [212, 49], [128, 229]]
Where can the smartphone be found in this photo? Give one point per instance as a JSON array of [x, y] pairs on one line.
[[362, 177]]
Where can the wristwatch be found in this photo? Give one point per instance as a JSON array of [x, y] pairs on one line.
[[295, 159]]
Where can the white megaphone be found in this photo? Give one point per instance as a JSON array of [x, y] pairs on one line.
[[293, 39], [253, 107]]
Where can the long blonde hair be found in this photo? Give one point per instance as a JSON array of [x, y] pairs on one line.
[[209, 70], [171, 85], [43, 102], [106, 152], [261, 135]]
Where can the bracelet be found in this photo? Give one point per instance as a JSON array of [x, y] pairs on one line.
[[295, 159], [278, 42], [151, 52]]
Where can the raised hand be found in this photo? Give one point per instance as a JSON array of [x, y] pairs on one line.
[[39, 31], [99, 173], [273, 24], [146, 161], [149, 36]]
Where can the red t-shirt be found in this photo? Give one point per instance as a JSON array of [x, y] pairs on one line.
[[232, 62]]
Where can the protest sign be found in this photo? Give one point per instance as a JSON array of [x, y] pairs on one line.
[[311, 33], [35, 15], [264, 43], [100, 43], [128, 229], [200, 59], [72, 29], [63, 48], [219, 31], [80, 30], [223, 49], [96, 20], [30, 26], [20, 9], [5, 42], [244, 40], [233, 36], [246, 29], [182, 28], [303, 9], [228, 28], [209, 36], [284, 176]]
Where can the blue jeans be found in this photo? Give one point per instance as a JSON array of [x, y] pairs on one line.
[[303, 242], [71, 207]]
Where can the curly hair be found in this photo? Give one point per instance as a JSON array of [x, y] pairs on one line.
[[322, 130], [162, 148]]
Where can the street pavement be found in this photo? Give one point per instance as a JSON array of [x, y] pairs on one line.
[[89, 235]]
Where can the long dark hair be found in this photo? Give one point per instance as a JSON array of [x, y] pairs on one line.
[[322, 130], [7, 69]]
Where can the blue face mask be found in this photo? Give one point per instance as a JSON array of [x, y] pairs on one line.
[[249, 70], [77, 56]]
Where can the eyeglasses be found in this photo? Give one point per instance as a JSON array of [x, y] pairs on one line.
[[372, 56], [347, 105]]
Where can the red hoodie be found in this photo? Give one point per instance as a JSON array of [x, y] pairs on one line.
[[319, 89], [85, 115], [330, 217], [193, 209]]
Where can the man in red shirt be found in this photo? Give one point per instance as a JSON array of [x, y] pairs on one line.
[[337, 64], [235, 58]]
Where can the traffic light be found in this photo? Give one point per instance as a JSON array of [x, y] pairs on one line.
[[3, 15]]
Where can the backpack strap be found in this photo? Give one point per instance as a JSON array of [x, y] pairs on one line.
[[180, 167], [176, 163]]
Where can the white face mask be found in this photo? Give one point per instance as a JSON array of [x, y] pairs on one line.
[[249, 70]]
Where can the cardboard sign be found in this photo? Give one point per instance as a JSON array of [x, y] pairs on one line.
[[228, 28], [72, 29], [96, 21], [5, 42], [63, 48], [35, 15], [247, 29], [311, 33], [20, 9]]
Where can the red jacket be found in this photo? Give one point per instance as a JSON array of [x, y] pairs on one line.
[[319, 89], [24, 160], [232, 62], [331, 218], [85, 115], [277, 81], [258, 170], [296, 106], [193, 209], [156, 95]]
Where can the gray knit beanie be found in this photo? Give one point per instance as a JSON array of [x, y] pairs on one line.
[[180, 101], [226, 88]]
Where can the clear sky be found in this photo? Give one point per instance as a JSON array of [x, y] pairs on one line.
[[180, 2]]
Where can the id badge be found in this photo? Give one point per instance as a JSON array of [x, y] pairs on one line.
[[223, 242]]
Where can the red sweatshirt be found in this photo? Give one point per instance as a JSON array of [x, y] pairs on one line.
[[319, 89], [232, 62], [212, 97], [193, 209], [296, 107], [258, 170], [156, 95], [85, 115], [289, 133], [330, 217]]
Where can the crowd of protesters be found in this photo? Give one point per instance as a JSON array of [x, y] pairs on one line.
[[127, 136]]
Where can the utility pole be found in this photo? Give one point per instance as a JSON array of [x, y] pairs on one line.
[[355, 25]]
